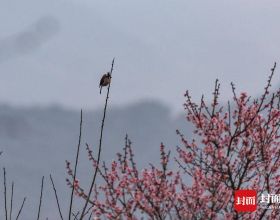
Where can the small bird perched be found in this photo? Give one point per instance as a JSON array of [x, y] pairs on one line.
[[105, 80]]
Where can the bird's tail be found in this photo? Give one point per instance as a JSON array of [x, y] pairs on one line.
[[100, 89]]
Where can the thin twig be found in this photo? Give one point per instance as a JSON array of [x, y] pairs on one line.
[[75, 215], [56, 197], [89, 218], [41, 195], [21, 207], [5, 193], [88, 210], [100, 145], [11, 204], [76, 164]]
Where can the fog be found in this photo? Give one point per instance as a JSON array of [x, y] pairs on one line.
[[53, 53]]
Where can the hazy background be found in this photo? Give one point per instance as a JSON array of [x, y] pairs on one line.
[[52, 54]]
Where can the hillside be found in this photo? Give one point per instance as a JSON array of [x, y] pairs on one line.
[[37, 141]]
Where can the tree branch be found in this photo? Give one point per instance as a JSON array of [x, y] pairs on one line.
[[100, 145]]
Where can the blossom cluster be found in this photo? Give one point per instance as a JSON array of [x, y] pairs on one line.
[[233, 147]]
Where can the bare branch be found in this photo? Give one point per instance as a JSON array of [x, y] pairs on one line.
[[5, 194], [100, 145], [76, 164], [21, 207], [11, 204], [56, 197], [41, 196]]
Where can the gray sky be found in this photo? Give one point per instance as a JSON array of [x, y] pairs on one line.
[[53, 52]]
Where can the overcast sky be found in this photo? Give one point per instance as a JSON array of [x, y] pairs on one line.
[[54, 51]]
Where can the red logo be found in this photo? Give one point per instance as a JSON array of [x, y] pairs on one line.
[[245, 200]]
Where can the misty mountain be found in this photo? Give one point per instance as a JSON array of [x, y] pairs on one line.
[[37, 141]]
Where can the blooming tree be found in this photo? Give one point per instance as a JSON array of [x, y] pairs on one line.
[[233, 147]]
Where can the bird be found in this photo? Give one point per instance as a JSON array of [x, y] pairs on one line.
[[105, 80]]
